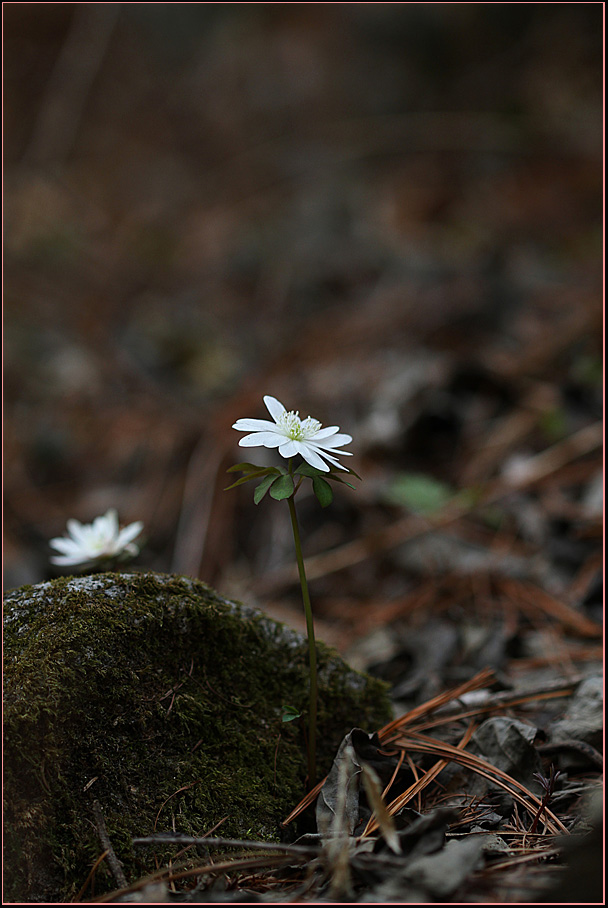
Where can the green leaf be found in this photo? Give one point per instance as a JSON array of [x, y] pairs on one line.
[[339, 479], [252, 468], [244, 468], [322, 490], [248, 478], [282, 487], [419, 492], [337, 470], [263, 487], [305, 469], [290, 713]]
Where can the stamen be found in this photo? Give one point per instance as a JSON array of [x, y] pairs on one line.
[[310, 426], [298, 429]]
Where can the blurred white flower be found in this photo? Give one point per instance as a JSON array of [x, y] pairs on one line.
[[87, 544], [292, 435]]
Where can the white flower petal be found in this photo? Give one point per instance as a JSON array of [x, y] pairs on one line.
[[274, 407], [289, 448], [88, 540], [99, 528], [336, 442], [111, 521], [325, 433], [262, 439], [68, 560], [65, 545], [254, 425], [313, 458], [328, 450], [76, 529], [129, 533], [326, 455]]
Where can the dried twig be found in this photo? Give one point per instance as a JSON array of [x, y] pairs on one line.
[[83, 888], [497, 702], [166, 875], [183, 788], [481, 679], [183, 839], [519, 792], [115, 865], [546, 604], [419, 785]]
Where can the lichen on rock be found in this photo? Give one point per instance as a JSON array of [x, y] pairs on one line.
[[160, 699]]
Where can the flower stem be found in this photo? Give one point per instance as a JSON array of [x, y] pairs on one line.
[[312, 650]]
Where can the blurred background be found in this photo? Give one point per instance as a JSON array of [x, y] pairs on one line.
[[388, 216]]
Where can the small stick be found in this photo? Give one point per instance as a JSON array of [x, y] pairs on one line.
[[165, 875], [115, 865], [183, 839]]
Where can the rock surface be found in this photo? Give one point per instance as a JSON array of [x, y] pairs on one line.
[[161, 701]]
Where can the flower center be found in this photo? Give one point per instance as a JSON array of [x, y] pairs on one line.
[[296, 428], [98, 542]]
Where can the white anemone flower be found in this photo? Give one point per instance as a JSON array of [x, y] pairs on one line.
[[87, 544], [292, 435]]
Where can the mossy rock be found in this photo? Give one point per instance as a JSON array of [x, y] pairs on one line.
[[161, 700]]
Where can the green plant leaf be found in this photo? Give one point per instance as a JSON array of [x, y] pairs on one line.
[[247, 478], [333, 469], [263, 487], [322, 490], [281, 487], [290, 713], [252, 468], [419, 492], [244, 468], [305, 469], [338, 479]]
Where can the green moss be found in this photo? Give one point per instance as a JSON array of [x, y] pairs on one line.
[[169, 697]]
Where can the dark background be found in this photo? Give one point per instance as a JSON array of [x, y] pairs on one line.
[[386, 215]]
